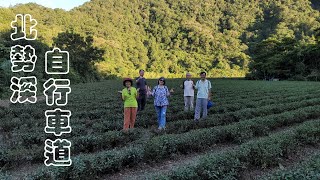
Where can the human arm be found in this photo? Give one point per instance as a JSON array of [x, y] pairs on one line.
[[137, 79], [122, 95], [169, 92], [153, 92], [137, 93], [172, 90], [209, 94], [146, 85], [197, 85], [209, 90]]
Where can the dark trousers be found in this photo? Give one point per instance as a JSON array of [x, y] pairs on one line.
[[142, 100]]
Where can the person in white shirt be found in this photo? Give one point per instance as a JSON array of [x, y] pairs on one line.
[[203, 96], [188, 88]]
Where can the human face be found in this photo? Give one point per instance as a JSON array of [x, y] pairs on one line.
[[203, 76], [161, 82], [188, 76], [128, 84], [141, 73]]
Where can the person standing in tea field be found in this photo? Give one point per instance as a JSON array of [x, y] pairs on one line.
[[203, 96], [129, 96], [141, 85], [188, 92], [161, 102]]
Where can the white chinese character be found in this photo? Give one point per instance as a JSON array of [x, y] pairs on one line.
[[56, 91], [57, 62], [57, 153], [23, 26], [58, 121], [23, 58], [24, 89]]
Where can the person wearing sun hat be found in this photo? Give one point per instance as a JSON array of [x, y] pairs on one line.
[[161, 102], [129, 96]]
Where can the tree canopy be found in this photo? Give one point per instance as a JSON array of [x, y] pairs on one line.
[[226, 38]]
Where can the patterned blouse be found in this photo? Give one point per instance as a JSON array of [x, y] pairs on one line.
[[160, 95]]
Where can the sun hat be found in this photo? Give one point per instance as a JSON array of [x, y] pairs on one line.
[[127, 79]]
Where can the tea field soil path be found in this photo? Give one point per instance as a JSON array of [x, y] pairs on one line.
[[143, 170]]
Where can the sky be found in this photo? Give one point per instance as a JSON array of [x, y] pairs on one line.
[[64, 4]]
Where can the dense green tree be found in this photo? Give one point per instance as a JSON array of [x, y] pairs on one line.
[[83, 54], [169, 37], [286, 59]]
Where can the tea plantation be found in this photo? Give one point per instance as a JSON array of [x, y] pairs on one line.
[[256, 130]]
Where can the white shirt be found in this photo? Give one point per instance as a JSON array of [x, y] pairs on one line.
[[188, 88]]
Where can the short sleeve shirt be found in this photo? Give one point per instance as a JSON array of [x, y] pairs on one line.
[[142, 82], [160, 96], [188, 88], [203, 88], [130, 97]]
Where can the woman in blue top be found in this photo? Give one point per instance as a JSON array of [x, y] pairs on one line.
[[161, 94]]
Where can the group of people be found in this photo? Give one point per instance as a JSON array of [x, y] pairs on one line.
[[135, 98]]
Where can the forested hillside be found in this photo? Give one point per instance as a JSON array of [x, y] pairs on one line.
[[226, 38]]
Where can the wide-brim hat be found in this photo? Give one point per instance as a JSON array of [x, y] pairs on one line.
[[127, 79]]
